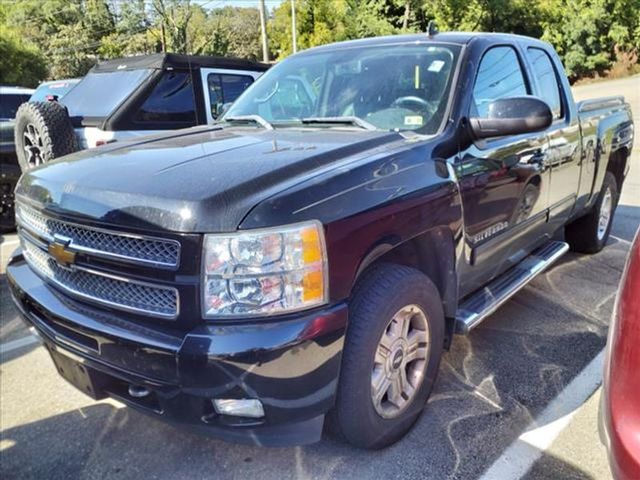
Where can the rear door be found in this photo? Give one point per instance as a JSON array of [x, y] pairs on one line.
[[504, 181], [222, 87], [564, 135]]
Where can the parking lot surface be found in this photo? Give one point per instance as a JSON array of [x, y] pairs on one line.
[[518, 397]]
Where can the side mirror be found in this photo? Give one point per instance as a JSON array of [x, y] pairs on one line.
[[512, 116]]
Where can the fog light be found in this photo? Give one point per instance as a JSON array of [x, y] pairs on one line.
[[246, 407]]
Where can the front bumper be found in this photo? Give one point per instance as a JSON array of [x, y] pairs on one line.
[[290, 365]]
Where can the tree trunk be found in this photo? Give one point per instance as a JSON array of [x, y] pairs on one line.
[[407, 12]]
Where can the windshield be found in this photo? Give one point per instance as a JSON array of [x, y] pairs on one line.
[[98, 94], [392, 87], [59, 89]]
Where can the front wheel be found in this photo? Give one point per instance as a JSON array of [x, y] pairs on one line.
[[391, 356], [590, 233]]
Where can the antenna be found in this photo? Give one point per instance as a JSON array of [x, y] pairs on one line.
[[432, 28]]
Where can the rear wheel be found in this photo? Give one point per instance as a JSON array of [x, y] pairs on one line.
[[589, 234], [391, 355]]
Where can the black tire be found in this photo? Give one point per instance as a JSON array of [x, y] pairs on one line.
[[384, 290], [43, 131], [583, 234], [9, 175]]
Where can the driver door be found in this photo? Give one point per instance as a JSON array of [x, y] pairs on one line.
[[503, 181]]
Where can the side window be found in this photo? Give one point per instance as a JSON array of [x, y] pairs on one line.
[[171, 101], [225, 88], [499, 76], [9, 104], [547, 79], [234, 85], [216, 101]]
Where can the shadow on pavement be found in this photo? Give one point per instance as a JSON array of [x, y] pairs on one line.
[[550, 467], [101, 441]]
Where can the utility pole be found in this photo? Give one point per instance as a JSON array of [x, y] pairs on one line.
[[294, 32], [263, 27]]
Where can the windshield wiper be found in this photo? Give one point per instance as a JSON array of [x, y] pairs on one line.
[[346, 120], [249, 118]]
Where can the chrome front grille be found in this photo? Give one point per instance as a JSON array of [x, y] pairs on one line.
[[136, 249], [98, 287]]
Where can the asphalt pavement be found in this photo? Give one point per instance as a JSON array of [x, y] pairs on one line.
[[524, 382]]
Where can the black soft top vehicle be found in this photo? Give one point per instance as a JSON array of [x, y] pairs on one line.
[[111, 94], [130, 97]]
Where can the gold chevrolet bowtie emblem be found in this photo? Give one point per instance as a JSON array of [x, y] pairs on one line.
[[58, 250]]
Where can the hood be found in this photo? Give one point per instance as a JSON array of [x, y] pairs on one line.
[[204, 179]]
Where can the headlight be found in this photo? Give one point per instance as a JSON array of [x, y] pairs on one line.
[[265, 272]]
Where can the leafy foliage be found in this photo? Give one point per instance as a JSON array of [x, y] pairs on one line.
[[63, 38], [20, 64], [235, 32]]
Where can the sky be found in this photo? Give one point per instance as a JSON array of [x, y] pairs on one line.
[[269, 4]]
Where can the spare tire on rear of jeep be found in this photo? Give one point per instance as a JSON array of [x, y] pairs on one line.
[[43, 131]]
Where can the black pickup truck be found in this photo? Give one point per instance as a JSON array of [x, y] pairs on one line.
[[315, 251]]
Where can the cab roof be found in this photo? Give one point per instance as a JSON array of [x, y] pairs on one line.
[[459, 38]]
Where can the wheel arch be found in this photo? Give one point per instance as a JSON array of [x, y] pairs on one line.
[[433, 253], [617, 164]]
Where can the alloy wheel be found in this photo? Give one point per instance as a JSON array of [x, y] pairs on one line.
[[33, 146], [400, 361], [604, 218]]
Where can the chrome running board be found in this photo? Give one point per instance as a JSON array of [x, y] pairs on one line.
[[479, 305]]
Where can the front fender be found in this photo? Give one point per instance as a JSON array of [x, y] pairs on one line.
[[369, 207]]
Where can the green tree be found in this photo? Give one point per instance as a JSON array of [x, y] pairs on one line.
[[174, 17], [512, 16], [134, 33], [318, 22], [20, 64], [370, 18], [588, 34], [233, 31], [71, 52], [97, 19]]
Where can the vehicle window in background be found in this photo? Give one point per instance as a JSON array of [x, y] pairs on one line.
[[547, 79], [499, 76], [170, 101], [9, 104], [401, 88], [58, 88], [98, 94], [225, 88]]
